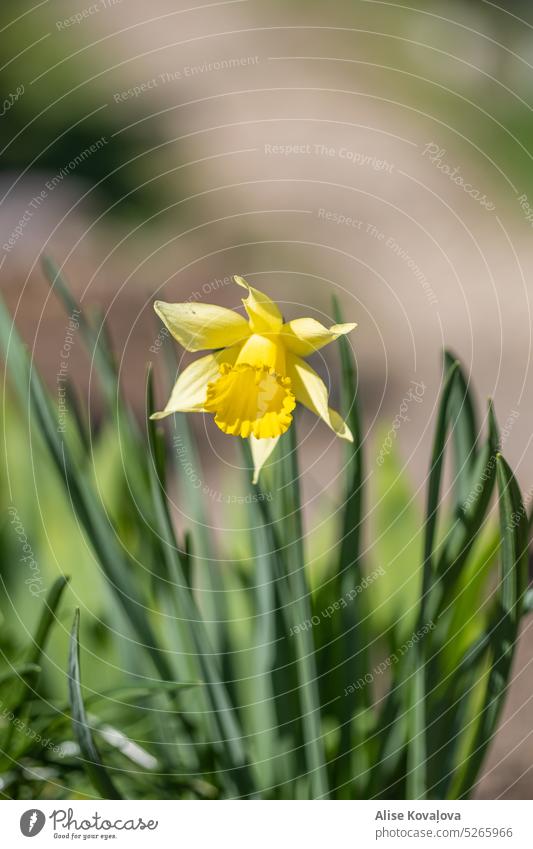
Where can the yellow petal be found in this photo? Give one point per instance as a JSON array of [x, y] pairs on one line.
[[201, 326], [311, 391], [260, 350], [190, 390], [250, 400], [303, 336], [339, 425], [263, 313], [261, 451]]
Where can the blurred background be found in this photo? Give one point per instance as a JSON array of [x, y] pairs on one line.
[[378, 151]]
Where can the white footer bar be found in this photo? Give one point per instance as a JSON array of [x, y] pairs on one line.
[[264, 825]]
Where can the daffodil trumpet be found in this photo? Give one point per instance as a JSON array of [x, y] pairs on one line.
[[256, 372]]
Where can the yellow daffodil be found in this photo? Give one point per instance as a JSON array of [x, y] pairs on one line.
[[257, 371]]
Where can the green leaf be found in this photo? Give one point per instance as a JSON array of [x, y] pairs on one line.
[[396, 541], [256, 681], [285, 535], [95, 342], [464, 428], [195, 633], [442, 676], [91, 760], [24, 690], [435, 475], [417, 701], [293, 553], [98, 346], [353, 637], [471, 512], [21, 670], [84, 501], [505, 619], [47, 619]]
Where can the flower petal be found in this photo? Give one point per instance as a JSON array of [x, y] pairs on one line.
[[250, 400], [260, 350], [190, 390], [201, 326], [303, 336], [263, 313], [261, 451], [311, 391]]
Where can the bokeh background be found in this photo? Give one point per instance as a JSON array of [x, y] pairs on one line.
[[379, 151]]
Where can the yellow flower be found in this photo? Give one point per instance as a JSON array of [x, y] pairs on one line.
[[257, 371]]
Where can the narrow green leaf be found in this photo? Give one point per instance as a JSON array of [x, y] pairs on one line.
[[260, 710], [417, 747], [307, 672], [417, 707], [454, 572], [288, 756], [95, 342], [204, 573], [47, 618], [195, 634], [134, 691], [84, 500], [91, 760], [353, 637], [505, 620], [22, 670], [471, 513], [285, 534], [23, 690], [435, 473], [453, 711], [98, 346], [396, 539], [464, 428]]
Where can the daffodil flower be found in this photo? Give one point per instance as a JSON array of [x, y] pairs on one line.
[[256, 373]]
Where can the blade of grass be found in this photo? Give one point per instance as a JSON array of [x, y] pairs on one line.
[[443, 743], [20, 671], [464, 427], [353, 637], [197, 637], [98, 347], [435, 476], [260, 711], [417, 706], [304, 640], [47, 618], [287, 750], [94, 342], [419, 669], [471, 512], [83, 499], [24, 689], [205, 574], [295, 600], [91, 760], [453, 711], [505, 621]]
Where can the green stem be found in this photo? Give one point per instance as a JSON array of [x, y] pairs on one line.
[[300, 606]]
